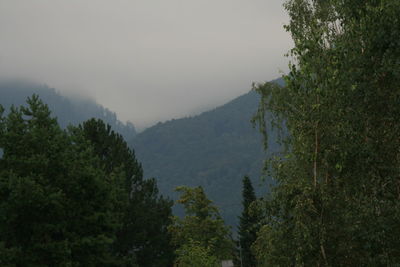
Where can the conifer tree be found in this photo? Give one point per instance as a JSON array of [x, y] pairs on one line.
[[144, 215], [248, 225], [76, 197], [55, 208]]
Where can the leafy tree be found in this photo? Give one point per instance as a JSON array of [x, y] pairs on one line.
[[249, 224], [193, 254], [202, 225], [336, 199]]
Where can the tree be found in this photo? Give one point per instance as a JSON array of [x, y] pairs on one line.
[[336, 199], [193, 254], [76, 197], [202, 226], [144, 216], [55, 208], [249, 224]]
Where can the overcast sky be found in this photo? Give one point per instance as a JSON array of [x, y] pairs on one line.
[[147, 60]]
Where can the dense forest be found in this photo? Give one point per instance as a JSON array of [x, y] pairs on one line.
[[77, 196], [213, 150]]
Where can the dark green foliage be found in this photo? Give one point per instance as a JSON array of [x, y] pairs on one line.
[[144, 214], [67, 110], [112, 150], [54, 203], [76, 197], [336, 202], [213, 150], [146, 227], [248, 225]]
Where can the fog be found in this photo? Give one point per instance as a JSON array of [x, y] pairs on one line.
[[148, 60]]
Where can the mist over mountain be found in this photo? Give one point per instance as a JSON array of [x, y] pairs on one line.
[[214, 150], [68, 110]]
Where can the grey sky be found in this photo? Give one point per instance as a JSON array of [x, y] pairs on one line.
[[147, 60]]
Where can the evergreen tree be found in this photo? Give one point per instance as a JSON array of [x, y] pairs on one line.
[[144, 216], [76, 197], [55, 208], [249, 224]]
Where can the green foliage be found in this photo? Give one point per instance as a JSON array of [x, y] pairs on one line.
[[336, 199], [201, 227], [193, 254], [54, 204], [76, 197], [249, 224], [143, 214]]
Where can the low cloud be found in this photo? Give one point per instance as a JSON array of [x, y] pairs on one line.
[[146, 60]]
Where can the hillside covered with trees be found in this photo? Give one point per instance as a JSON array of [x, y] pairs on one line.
[[67, 110], [214, 150], [78, 196]]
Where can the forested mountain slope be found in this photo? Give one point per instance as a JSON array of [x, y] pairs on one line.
[[214, 149], [67, 110]]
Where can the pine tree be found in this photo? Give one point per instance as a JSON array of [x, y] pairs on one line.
[[76, 197], [55, 209], [143, 214], [248, 225]]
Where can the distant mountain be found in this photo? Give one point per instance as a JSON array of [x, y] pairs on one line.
[[67, 110], [214, 149]]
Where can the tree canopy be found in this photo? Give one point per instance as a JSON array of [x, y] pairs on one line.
[[202, 230], [144, 214], [75, 197], [336, 200], [55, 204]]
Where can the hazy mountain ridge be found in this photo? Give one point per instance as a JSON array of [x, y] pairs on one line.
[[67, 110], [214, 149]]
